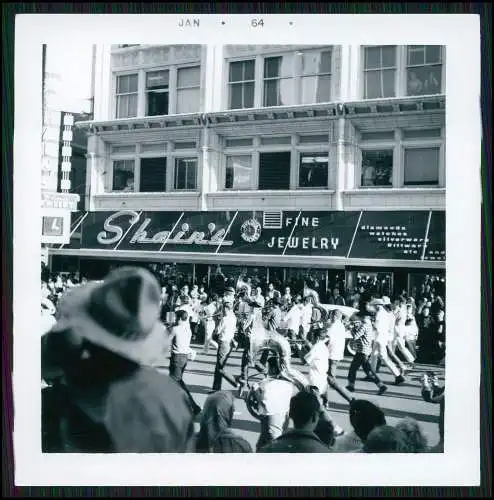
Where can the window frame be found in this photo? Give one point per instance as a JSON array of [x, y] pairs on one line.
[[401, 72], [279, 78], [146, 91], [295, 149], [168, 152], [229, 84], [399, 145], [141, 87], [197, 87], [188, 156], [297, 77], [300, 76], [115, 95]]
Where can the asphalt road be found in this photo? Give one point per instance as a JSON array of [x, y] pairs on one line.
[[398, 402]]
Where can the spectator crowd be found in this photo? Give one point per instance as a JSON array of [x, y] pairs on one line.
[[104, 346]]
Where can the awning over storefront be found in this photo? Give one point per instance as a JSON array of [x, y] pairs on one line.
[[401, 238]]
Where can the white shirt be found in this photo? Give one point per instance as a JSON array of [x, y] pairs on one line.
[[337, 337], [382, 326], [318, 361], [227, 327], [293, 318], [275, 396], [306, 316], [181, 335], [47, 322], [260, 299]]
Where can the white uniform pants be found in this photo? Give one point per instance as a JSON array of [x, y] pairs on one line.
[[399, 343], [379, 351], [208, 341]]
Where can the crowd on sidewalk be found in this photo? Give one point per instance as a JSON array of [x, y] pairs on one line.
[[103, 358]]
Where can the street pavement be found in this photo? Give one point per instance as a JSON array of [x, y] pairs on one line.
[[398, 402]]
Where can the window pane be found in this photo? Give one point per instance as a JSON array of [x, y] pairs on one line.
[[379, 84], [273, 141], [278, 92], [238, 172], [378, 136], [189, 77], [236, 96], [153, 148], [191, 174], [314, 139], [274, 171], [188, 100], [153, 175], [416, 54], [315, 62], [132, 105], [157, 103], [180, 171], [372, 57], [123, 149], [248, 95], [377, 168], [127, 106], [316, 89], [424, 80], [388, 56], [157, 79], [126, 84], [433, 54], [421, 166], [184, 145], [123, 175], [231, 143], [313, 170], [422, 134], [272, 67], [249, 70]]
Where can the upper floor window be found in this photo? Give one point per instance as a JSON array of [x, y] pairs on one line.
[[276, 162], [127, 92], [171, 90], [379, 72], [278, 80], [241, 82], [403, 158], [424, 69], [298, 77], [145, 168], [316, 76], [188, 89], [391, 71], [157, 93]]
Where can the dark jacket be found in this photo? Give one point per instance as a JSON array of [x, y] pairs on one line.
[[141, 412], [296, 441]]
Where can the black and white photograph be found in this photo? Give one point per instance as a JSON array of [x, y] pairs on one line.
[[242, 249]]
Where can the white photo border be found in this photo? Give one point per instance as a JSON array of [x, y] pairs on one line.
[[460, 464]]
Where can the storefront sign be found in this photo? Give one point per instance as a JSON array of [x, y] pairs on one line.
[[380, 235]]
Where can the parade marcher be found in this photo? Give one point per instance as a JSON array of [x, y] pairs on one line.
[[398, 344], [209, 314], [411, 331], [252, 314], [362, 336], [215, 434], [381, 341], [336, 335], [180, 337], [293, 319], [306, 317], [105, 394], [304, 411], [274, 394], [225, 338]]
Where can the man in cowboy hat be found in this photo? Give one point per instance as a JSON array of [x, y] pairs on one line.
[[101, 356]]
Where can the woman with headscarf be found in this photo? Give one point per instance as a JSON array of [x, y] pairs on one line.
[[215, 434]]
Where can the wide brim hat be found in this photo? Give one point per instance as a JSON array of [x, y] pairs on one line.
[[386, 300], [377, 302], [121, 315]]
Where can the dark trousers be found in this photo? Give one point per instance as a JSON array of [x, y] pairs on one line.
[[246, 359], [333, 384], [178, 362], [361, 360], [224, 349]]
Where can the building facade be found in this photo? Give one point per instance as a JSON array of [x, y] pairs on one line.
[[268, 154]]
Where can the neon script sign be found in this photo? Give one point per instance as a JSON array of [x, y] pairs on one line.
[[113, 233]]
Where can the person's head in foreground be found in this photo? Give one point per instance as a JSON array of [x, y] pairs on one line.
[[305, 409], [364, 417], [386, 439], [215, 435], [417, 442], [103, 348], [325, 429]]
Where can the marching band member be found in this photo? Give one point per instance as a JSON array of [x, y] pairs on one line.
[[208, 316]]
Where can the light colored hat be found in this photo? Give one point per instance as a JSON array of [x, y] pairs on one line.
[[121, 315], [377, 302], [386, 300]]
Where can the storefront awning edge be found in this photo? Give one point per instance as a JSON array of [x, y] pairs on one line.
[[247, 259]]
